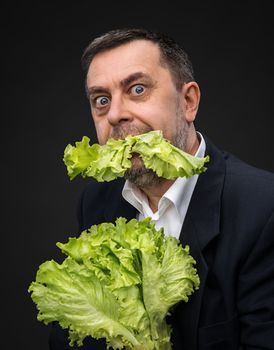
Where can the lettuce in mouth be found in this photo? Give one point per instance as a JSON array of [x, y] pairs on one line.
[[110, 161], [118, 282]]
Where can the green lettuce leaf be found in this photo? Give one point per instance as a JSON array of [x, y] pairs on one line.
[[110, 161], [104, 163], [165, 159], [118, 282]]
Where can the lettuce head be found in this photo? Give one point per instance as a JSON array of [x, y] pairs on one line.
[[118, 282]]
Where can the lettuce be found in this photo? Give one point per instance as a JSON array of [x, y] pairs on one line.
[[112, 160], [118, 282]]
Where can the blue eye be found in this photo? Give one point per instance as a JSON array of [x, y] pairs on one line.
[[102, 100], [138, 89]]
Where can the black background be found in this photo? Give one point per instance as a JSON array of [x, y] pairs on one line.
[[44, 108]]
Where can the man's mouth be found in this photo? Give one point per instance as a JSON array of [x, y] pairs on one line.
[[136, 161]]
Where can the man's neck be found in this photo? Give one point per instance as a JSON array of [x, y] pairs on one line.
[[155, 193]]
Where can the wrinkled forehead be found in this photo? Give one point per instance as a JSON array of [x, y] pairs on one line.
[[140, 55]]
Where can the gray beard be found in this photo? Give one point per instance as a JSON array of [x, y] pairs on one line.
[[138, 174]]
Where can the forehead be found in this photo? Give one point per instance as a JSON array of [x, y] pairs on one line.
[[118, 62]]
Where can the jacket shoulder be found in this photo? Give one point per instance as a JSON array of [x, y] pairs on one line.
[[244, 178]]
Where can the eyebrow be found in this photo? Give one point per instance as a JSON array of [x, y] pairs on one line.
[[134, 76], [96, 90], [123, 83]]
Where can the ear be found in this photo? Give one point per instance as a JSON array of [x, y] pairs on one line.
[[191, 95]]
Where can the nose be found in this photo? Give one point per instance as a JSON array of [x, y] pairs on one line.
[[118, 111]]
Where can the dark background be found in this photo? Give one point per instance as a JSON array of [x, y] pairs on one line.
[[44, 108]]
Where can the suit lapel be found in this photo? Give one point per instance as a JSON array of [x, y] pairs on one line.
[[201, 226]]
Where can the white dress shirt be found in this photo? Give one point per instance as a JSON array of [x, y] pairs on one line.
[[172, 206]]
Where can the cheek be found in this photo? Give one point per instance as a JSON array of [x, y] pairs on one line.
[[102, 131], [150, 113], [160, 116], [165, 118]]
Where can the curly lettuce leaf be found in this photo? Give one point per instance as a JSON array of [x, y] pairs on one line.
[[176, 279], [118, 282], [72, 295], [165, 159], [104, 163], [110, 161]]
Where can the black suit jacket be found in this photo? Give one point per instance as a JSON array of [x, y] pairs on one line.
[[229, 227]]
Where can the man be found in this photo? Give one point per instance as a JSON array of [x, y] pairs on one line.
[[139, 81]]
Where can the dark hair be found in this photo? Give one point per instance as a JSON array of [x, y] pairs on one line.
[[171, 54]]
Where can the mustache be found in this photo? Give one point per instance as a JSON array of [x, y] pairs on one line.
[[123, 130]]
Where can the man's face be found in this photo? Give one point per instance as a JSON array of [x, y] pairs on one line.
[[130, 92]]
